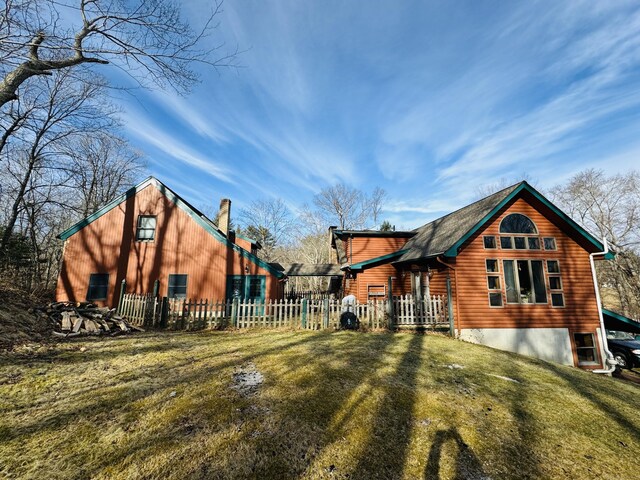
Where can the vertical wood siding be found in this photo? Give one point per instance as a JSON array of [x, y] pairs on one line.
[[108, 245]]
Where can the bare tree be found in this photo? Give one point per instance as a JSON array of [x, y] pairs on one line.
[[147, 39], [347, 207], [609, 206], [102, 166], [60, 110], [487, 189], [271, 222]]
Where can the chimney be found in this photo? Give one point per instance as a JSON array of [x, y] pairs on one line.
[[224, 215]]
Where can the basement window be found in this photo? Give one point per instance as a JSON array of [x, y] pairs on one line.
[[586, 349], [98, 286], [177, 286], [146, 230]]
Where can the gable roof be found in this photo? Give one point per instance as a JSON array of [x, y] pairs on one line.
[[446, 235], [308, 269], [181, 203]]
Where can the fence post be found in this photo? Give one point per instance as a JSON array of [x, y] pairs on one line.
[[390, 304], [325, 320], [234, 313], [450, 307], [304, 313], [156, 288], [164, 312], [123, 289]]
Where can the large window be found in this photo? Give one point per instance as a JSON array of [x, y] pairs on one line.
[[146, 230], [98, 286], [518, 223], [524, 281], [177, 287], [586, 349]]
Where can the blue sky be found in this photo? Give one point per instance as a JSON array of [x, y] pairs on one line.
[[426, 99]]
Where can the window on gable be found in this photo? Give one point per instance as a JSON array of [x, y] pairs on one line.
[[524, 281], [490, 242], [519, 243], [98, 286], [550, 243], [518, 223], [534, 243], [506, 243], [177, 286], [146, 229], [492, 265]]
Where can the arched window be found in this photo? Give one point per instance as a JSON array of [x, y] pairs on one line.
[[518, 223]]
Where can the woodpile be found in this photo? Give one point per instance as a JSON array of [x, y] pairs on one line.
[[71, 319]]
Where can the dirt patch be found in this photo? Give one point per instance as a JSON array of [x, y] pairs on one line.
[[17, 325], [247, 379]]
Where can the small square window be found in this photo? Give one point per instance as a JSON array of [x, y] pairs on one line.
[[550, 243], [553, 266], [493, 282], [505, 242], [586, 348], [557, 299], [177, 287], [146, 230], [492, 265], [495, 299], [555, 283], [519, 243], [490, 241], [98, 286], [534, 243]]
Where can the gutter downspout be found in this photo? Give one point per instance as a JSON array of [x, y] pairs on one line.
[[609, 356]]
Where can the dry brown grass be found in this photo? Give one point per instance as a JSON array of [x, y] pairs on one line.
[[332, 405]]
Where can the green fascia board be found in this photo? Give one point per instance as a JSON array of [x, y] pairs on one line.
[[453, 250], [188, 209], [381, 259], [622, 318]]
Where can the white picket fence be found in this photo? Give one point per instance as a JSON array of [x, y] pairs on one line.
[[309, 314]]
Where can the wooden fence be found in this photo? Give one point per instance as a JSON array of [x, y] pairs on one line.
[[308, 314]]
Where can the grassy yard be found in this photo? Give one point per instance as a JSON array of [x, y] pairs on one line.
[[331, 405]]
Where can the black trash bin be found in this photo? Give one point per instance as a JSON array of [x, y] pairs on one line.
[[349, 321]]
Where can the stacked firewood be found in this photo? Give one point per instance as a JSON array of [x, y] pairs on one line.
[[71, 319]]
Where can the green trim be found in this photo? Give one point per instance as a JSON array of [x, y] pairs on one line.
[[382, 259], [109, 206], [453, 250], [622, 318], [188, 209]]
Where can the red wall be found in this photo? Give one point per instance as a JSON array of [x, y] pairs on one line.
[[181, 246]]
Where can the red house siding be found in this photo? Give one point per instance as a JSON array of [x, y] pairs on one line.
[[181, 246]]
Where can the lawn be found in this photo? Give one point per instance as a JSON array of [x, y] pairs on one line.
[[331, 405]]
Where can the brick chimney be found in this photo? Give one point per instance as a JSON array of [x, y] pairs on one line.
[[224, 215]]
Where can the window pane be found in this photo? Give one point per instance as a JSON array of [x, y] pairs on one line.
[[584, 339], [98, 286], [524, 279], [492, 265], [495, 299], [517, 223], [555, 283], [534, 243], [519, 243], [510, 282], [557, 300], [490, 242], [586, 355], [538, 281], [146, 227], [255, 288], [553, 266], [505, 242], [585, 347], [549, 243], [146, 221], [177, 286], [493, 282]]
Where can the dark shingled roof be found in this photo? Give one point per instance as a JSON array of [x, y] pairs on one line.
[[308, 269], [438, 236]]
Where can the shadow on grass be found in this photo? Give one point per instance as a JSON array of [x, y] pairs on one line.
[[594, 397], [467, 466]]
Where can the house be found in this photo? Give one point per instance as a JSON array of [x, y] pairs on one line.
[[518, 270], [156, 241]]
